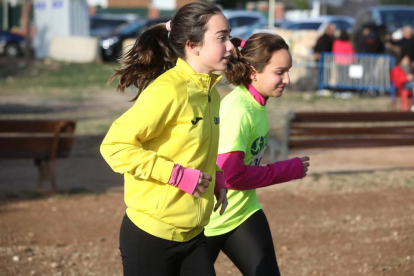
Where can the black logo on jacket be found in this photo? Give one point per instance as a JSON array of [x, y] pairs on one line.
[[217, 120], [197, 119]]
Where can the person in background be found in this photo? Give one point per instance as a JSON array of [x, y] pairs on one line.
[[407, 44], [343, 56], [342, 45], [371, 42], [391, 46], [166, 144], [325, 42], [399, 48], [402, 77]]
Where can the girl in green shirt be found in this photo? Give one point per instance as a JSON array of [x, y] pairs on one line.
[[260, 70]]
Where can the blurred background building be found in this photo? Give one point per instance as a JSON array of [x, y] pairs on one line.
[[105, 24]]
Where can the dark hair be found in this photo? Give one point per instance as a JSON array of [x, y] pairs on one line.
[[256, 52], [401, 57], [156, 50], [344, 36]]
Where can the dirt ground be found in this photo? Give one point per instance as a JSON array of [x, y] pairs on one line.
[[341, 220], [352, 215]]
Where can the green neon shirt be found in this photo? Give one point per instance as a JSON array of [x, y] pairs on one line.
[[243, 127]]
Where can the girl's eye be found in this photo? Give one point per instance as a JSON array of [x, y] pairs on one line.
[[224, 38], [282, 73]]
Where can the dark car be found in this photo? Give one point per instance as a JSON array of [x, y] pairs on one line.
[[103, 24], [11, 44], [383, 20], [111, 44]]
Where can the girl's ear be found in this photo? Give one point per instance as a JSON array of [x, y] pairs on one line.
[[192, 48], [253, 74]]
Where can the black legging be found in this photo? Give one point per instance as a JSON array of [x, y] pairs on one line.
[[147, 255], [249, 247]]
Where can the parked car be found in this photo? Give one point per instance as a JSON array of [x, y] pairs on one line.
[[11, 44], [241, 20], [102, 24], [386, 19], [319, 24], [111, 44], [262, 26]]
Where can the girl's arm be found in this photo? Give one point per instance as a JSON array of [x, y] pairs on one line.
[[147, 119], [220, 191], [239, 176], [122, 146], [220, 181]]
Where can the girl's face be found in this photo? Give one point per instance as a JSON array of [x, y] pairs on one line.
[[275, 76], [405, 61], [215, 49]]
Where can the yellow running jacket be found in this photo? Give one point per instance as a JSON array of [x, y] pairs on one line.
[[174, 120]]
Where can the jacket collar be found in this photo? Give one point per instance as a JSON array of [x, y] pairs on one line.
[[204, 81], [256, 95]]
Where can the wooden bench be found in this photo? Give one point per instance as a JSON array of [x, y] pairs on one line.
[[40, 140], [305, 130]]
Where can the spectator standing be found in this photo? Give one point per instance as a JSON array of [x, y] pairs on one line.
[[392, 47], [342, 45], [325, 41], [407, 43], [343, 56], [371, 41]]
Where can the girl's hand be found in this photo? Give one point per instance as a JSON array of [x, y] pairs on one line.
[[202, 184], [221, 200], [305, 164]]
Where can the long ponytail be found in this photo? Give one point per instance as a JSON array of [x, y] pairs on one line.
[[149, 57], [238, 69]]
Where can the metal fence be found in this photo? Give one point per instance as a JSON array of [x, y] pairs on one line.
[[362, 72]]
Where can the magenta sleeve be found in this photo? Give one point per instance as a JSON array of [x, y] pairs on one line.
[[239, 176]]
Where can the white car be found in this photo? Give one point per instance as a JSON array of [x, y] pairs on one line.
[[319, 23], [241, 20]]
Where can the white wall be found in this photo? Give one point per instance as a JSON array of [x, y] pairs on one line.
[[102, 3], [164, 4], [58, 18], [74, 49]]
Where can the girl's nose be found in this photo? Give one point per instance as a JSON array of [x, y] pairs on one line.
[[286, 78], [229, 46]]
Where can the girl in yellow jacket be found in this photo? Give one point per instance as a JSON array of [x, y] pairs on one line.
[[166, 144]]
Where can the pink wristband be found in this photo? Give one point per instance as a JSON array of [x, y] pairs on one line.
[[176, 175], [184, 179], [189, 180]]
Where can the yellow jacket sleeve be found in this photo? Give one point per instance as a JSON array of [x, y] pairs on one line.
[[122, 147]]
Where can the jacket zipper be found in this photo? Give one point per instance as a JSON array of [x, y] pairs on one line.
[[208, 156]]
